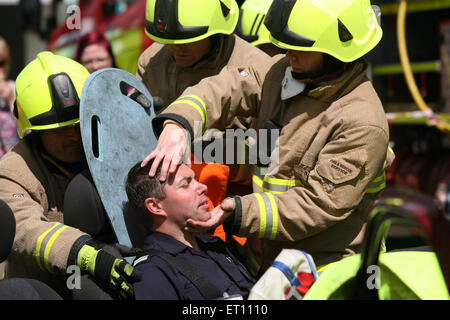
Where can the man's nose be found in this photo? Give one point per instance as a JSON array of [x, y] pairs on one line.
[[202, 188], [73, 133], [178, 47]]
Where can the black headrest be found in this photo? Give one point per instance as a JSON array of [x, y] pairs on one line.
[[83, 208]]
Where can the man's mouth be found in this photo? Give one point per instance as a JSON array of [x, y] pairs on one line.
[[181, 56], [204, 203]]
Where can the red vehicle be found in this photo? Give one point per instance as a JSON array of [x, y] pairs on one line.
[[124, 29]]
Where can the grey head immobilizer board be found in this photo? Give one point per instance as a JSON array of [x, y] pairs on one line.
[[116, 112]]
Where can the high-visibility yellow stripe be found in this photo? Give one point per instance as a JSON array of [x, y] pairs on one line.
[[268, 215], [50, 244], [274, 216], [283, 182], [197, 98], [195, 102], [262, 215], [391, 151], [378, 184], [279, 186], [257, 180], [193, 105], [39, 244]]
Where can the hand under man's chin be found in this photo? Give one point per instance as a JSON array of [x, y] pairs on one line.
[[204, 216]]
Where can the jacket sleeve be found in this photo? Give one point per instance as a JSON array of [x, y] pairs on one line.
[[141, 65], [215, 101], [40, 242], [348, 167]]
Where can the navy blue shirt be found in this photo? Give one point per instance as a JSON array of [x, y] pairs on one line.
[[161, 281]]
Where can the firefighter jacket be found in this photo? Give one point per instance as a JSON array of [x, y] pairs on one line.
[[164, 79], [36, 194], [328, 164]]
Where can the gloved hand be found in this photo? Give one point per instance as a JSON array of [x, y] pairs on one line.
[[100, 262]]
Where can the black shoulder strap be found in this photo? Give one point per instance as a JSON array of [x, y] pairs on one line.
[[208, 290]]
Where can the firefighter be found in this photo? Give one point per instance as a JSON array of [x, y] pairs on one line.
[[328, 164], [194, 40], [35, 174], [251, 28]]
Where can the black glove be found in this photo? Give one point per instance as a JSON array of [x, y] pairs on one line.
[[104, 264]]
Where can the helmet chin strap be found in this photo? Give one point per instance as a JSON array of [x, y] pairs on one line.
[[331, 65]]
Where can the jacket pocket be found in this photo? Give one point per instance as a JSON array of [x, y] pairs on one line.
[[340, 174]]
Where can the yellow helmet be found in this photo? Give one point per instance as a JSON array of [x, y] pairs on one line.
[[185, 21], [48, 93], [250, 26], [344, 29]]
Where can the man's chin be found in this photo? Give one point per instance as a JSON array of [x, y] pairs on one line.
[[204, 216]]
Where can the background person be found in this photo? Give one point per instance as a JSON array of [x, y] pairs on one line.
[[94, 52], [8, 124]]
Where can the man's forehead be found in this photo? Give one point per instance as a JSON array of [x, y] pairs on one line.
[[183, 171]]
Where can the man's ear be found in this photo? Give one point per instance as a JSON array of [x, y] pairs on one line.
[[154, 206]]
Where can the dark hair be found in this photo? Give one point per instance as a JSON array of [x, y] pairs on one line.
[[94, 37], [140, 186]]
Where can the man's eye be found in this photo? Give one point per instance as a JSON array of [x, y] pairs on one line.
[[185, 184]]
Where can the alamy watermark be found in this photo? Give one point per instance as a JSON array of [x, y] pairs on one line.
[[373, 281], [236, 146], [73, 281], [73, 22]]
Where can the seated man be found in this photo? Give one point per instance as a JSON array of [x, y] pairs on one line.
[[163, 208]]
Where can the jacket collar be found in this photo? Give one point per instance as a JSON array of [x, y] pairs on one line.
[[330, 91], [163, 242]]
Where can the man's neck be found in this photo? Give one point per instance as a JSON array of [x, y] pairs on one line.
[[185, 237]]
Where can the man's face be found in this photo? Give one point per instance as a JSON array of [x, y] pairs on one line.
[[64, 143], [187, 54], [305, 61], [185, 197]]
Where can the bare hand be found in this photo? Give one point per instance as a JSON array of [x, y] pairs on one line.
[[171, 148], [218, 215]]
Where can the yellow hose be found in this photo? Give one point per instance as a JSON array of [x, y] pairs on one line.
[[432, 118]]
